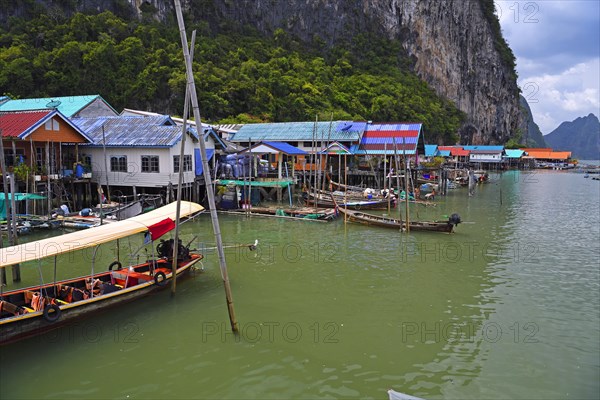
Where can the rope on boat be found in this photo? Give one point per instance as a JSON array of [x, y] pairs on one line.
[[252, 247]]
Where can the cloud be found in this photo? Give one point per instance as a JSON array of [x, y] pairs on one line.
[[557, 46], [572, 93], [561, 31]]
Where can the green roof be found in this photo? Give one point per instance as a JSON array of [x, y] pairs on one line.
[[67, 105]]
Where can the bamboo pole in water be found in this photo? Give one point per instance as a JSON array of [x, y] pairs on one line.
[[397, 180], [385, 169], [327, 152], [186, 113], [406, 196], [6, 205], [206, 172], [346, 183], [49, 200]]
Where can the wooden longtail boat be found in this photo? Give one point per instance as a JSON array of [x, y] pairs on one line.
[[357, 193], [325, 199], [398, 224], [303, 213], [36, 309], [423, 226]]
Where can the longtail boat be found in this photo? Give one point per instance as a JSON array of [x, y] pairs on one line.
[[357, 193], [325, 199], [299, 213], [36, 309], [398, 224], [386, 222]]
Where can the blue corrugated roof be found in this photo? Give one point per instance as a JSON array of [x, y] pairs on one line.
[[514, 153], [431, 150], [67, 105], [130, 131], [443, 153], [490, 148], [208, 131], [286, 148], [297, 131], [352, 126], [381, 152]]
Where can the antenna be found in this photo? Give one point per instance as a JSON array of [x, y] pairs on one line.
[[53, 104]]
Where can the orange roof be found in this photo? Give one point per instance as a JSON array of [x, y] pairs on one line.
[[544, 154]]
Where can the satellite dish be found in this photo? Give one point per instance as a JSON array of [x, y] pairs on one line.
[[53, 104]]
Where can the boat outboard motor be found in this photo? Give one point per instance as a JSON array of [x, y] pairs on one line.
[[165, 250], [454, 219]]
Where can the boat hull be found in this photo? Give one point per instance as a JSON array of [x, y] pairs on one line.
[[417, 226], [33, 323]]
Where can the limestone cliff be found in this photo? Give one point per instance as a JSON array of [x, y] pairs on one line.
[[452, 43], [530, 134]]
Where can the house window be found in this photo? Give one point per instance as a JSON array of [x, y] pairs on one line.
[[9, 157], [187, 163], [118, 163], [51, 125], [150, 164], [87, 160]]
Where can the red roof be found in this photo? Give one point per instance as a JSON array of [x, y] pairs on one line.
[[13, 124], [455, 150]]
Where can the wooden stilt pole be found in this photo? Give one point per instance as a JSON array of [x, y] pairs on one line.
[[206, 171], [16, 269]]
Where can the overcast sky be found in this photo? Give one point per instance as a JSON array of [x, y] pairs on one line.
[[557, 45]]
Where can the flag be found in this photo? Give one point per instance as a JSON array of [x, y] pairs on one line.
[[160, 228]]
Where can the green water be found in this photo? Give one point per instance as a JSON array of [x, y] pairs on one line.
[[507, 307]]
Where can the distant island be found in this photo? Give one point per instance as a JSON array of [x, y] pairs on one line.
[[580, 136]]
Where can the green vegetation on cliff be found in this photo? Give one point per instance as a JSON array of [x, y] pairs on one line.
[[240, 77]]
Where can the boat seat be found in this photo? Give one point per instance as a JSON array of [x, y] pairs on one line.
[[126, 278], [8, 308]]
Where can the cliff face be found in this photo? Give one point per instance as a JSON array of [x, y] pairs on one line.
[[455, 54], [531, 134], [451, 42]]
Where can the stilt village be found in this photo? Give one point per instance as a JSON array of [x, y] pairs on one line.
[[75, 162]]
